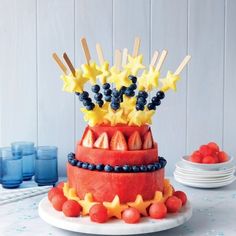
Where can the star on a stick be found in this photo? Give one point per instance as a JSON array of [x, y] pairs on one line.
[[119, 78], [169, 82], [91, 72], [115, 117], [134, 64], [105, 73]]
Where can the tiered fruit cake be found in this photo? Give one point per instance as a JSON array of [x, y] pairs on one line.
[[116, 170]]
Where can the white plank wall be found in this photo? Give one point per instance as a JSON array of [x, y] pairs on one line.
[[33, 107]]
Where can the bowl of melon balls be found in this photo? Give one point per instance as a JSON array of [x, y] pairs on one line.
[[208, 157]]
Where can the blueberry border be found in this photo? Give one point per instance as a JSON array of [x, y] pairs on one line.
[[117, 169]]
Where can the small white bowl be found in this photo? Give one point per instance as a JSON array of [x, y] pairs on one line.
[[200, 166]]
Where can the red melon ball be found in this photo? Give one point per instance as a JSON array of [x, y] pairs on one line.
[[208, 160], [71, 208], [53, 192], [158, 210], [173, 204], [182, 196], [58, 201], [223, 156]]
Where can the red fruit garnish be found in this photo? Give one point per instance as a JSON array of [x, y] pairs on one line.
[[71, 208], [88, 139], [58, 201], [102, 141], [98, 213], [135, 142], [173, 204], [60, 185], [214, 147], [158, 210], [131, 215], [182, 196], [196, 157], [205, 150], [208, 160], [223, 156], [53, 192], [147, 140], [216, 157], [118, 142]]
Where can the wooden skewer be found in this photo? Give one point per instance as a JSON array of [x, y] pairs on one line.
[[161, 60], [117, 59], [124, 56], [182, 65], [100, 54], [68, 62], [154, 58], [59, 63], [86, 50], [136, 46]]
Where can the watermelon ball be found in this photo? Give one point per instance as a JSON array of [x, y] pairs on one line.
[[208, 160], [214, 147], [131, 215], [223, 156], [205, 150], [173, 204], [58, 201], [196, 157], [60, 185], [182, 196], [53, 192], [158, 210], [71, 208], [98, 213]]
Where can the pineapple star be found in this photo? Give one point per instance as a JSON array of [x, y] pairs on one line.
[[140, 205], [134, 64], [66, 189], [147, 116], [169, 82], [72, 195], [87, 203], [119, 78], [91, 72], [114, 208], [105, 73], [168, 190], [157, 197], [115, 117], [95, 116], [135, 117], [128, 104]]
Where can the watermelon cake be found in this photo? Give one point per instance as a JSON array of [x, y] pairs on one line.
[[116, 169]]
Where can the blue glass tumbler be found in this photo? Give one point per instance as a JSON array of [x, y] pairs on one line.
[[46, 172], [11, 168], [28, 156]]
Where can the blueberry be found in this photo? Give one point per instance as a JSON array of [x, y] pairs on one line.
[[162, 162], [115, 99], [106, 86], [99, 167], [150, 167], [98, 96], [151, 106], [160, 94], [139, 107], [118, 169], [129, 92], [108, 168], [107, 98], [90, 106], [77, 93], [115, 106], [132, 78], [143, 168], [85, 165], [115, 93], [133, 86], [83, 95], [135, 168], [73, 162], [143, 94], [87, 101], [100, 103], [107, 92], [126, 168], [79, 164], [141, 100], [122, 90], [156, 101], [91, 167], [71, 155], [95, 88], [157, 166]]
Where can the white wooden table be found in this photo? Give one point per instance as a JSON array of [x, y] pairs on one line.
[[213, 214]]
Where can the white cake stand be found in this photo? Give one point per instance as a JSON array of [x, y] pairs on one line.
[[112, 227]]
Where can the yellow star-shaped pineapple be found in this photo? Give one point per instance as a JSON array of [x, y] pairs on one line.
[[140, 205], [105, 73], [66, 189], [119, 78], [149, 80], [147, 116], [115, 117], [72, 195], [87, 203], [95, 116], [134, 64], [114, 208], [91, 72], [157, 197], [168, 190], [128, 104], [135, 117], [169, 82]]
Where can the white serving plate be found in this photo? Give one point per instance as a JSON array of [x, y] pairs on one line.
[[113, 227], [201, 166]]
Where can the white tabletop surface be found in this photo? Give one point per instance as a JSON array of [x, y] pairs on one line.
[[214, 213]]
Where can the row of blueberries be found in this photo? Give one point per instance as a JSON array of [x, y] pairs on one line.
[[125, 168]]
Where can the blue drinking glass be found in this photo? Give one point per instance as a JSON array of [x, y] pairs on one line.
[[28, 156], [11, 168], [46, 172]]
